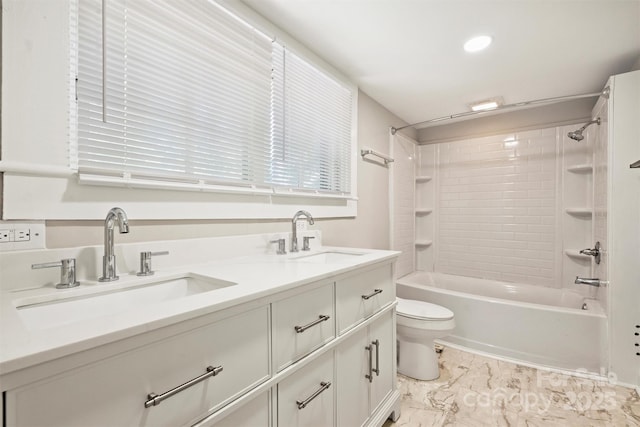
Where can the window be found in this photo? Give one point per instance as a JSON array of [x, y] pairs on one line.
[[312, 146], [187, 95]]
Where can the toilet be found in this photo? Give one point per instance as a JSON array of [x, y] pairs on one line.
[[418, 323]]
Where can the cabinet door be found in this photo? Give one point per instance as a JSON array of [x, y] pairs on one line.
[[383, 382], [352, 388], [301, 324], [362, 294], [313, 386], [113, 392]]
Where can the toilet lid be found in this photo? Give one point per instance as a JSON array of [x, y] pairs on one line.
[[422, 310]]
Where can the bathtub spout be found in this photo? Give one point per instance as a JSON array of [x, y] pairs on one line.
[[584, 281]]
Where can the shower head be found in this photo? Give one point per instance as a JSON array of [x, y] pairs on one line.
[[577, 135]]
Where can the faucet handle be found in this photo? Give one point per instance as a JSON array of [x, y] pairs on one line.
[[145, 262], [305, 242], [281, 246], [595, 252], [67, 272]]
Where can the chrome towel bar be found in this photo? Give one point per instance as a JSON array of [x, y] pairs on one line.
[[367, 151]]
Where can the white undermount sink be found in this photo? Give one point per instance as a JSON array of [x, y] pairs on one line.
[[57, 312], [329, 257]]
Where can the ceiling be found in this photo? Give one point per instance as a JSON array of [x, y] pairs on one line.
[[408, 55]]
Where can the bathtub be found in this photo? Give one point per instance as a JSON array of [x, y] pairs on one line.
[[541, 327]]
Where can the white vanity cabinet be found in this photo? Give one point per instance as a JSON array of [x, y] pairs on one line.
[[306, 398], [365, 371], [113, 392], [362, 293], [302, 323], [316, 354]]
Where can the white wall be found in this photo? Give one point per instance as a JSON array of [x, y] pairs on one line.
[[624, 228]]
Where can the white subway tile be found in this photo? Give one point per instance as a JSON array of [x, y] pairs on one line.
[[496, 206], [542, 211], [514, 227]]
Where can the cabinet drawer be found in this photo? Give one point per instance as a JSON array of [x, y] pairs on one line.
[[113, 392], [252, 414], [360, 295], [301, 324], [306, 398]]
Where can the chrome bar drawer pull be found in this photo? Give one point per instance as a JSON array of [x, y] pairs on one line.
[[373, 294], [323, 386], [155, 399], [322, 318], [377, 344], [370, 375]]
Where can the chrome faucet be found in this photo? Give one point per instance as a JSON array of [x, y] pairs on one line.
[[109, 259], [294, 234]]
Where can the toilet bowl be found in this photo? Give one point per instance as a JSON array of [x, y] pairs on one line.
[[418, 323]]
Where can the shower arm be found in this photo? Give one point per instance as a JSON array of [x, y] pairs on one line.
[[589, 123]]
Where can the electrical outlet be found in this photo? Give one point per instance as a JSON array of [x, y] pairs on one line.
[[22, 235], [18, 236]]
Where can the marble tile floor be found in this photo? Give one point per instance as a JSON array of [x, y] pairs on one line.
[[479, 391]]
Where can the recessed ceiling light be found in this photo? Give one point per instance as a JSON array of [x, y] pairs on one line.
[[477, 44], [487, 104]]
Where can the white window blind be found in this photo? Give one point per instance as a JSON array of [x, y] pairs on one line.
[[187, 95], [312, 132]]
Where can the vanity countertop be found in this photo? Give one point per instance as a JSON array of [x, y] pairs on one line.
[[256, 276]]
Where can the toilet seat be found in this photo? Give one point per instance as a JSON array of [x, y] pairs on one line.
[[421, 310]]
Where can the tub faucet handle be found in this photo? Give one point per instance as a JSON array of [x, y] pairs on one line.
[[595, 252]]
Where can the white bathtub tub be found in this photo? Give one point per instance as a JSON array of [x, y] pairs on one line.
[[531, 324]]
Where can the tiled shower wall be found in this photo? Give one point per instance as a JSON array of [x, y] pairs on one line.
[[403, 150], [516, 207], [498, 207], [600, 198]]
